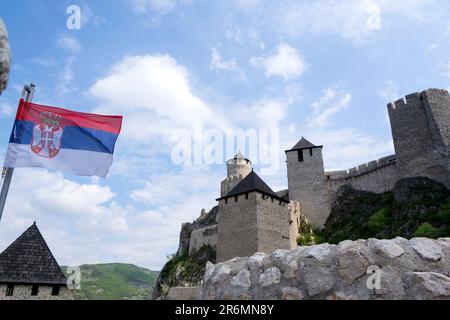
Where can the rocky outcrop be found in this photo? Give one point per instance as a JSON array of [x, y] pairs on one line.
[[4, 57], [352, 270], [184, 270], [412, 203]]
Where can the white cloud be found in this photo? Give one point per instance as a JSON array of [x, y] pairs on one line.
[[432, 47], [354, 20], [218, 63], [235, 34], [445, 68], [247, 4], [88, 16], [344, 147], [6, 110], [155, 191], [45, 61], [66, 77], [71, 44], [159, 6], [347, 147], [285, 62], [83, 223], [155, 96], [389, 92], [265, 113], [332, 102]]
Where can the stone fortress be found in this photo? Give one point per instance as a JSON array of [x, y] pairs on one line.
[[251, 217]]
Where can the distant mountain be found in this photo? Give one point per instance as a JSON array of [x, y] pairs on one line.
[[115, 281]]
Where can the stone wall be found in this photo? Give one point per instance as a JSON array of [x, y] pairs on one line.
[[184, 293], [421, 133], [229, 183], [273, 220], [4, 57], [203, 237], [306, 182], [353, 270], [237, 169], [378, 176], [250, 223], [437, 109], [294, 223], [237, 229], [23, 292]]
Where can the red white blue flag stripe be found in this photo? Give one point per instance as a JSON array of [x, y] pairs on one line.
[[75, 142]]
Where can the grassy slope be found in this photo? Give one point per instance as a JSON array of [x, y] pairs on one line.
[[115, 282]]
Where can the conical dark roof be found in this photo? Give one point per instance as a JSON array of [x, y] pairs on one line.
[[252, 182], [29, 260]]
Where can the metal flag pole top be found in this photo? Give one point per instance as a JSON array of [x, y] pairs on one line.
[[27, 94]]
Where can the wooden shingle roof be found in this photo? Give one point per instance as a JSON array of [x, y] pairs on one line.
[[29, 260]]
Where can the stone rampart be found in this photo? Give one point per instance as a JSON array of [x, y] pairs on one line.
[[371, 269]]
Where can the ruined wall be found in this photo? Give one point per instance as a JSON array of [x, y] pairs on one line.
[[236, 227], [23, 292], [306, 182], [203, 237], [5, 57], [353, 270], [377, 176]]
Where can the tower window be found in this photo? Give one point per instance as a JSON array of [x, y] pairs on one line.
[[35, 290], [235, 198], [55, 290], [9, 290], [300, 155], [310, 152], [246, 196]]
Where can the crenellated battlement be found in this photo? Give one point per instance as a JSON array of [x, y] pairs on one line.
[[411, 100], [229, 183], [362, 169]]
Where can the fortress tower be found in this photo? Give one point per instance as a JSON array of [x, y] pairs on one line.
[[237, 169], [252, 218], [306, 181], [421, 132]]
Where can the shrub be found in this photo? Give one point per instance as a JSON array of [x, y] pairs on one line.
[[379, 220], [444, 213], [310, 238], [307, 235], [427, 230]]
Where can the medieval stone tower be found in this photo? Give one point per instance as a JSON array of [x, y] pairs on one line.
[[252, 218], [237, 169], [421, 133], [306, 181]]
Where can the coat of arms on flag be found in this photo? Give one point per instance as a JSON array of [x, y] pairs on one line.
[[75, 142], [46, 140]]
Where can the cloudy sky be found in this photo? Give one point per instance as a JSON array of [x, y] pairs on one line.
[[324, 70]]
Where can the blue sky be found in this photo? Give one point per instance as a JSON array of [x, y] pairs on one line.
[[324, 70]]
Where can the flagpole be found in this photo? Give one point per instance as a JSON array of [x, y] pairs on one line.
[[27, 94]]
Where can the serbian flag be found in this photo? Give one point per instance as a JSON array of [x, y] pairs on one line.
[[74, 142]]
